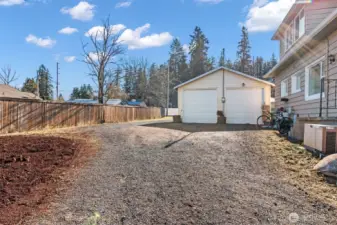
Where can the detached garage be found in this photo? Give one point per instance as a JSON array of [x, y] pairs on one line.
[[237, 96]]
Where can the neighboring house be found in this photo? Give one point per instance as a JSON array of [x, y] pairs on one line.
[[237, 96], [135, 102], [91, 101], [308, 47], [10, 93]]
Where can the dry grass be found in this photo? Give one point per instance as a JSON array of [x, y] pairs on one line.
[[296, 166]]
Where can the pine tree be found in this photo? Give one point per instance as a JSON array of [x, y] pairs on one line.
[[157, 85], [45, 83], [222, 60], [84, 92], [29, 86], [178, 69], [273, 61], [210, 64], [258, 70], [75, 94], [128, 78], [198, 51], [141, 83], [229, 64], [60, 98], [243, 53], [118, 74]]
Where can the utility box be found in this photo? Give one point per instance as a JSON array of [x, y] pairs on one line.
[[321, 138]]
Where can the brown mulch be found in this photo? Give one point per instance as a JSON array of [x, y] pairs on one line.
[[31, 167]]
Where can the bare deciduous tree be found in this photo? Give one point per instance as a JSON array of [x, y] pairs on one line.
[[7, 75], [105, 46]]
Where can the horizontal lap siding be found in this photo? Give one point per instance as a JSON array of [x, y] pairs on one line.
[[297, 101], [317, 11], [27, 116]]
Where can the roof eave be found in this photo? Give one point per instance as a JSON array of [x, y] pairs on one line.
[[295, 7], [314, 37], [226, 69]]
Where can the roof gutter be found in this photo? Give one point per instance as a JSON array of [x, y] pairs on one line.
[[310, 41]]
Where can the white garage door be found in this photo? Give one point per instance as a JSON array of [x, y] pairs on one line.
[[243, 105], [200, 106]]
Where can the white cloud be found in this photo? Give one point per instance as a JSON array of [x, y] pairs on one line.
[[69, 59], [41, 42], [125, 4], [209, 1], [265, 15], [83, 11], [133, 39], [93, 56], [186, 48], [98, 30], [11, 2], [21, 2], [259, 3], [68, 30]]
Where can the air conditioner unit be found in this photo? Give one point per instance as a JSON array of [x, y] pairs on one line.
[[321, 138]]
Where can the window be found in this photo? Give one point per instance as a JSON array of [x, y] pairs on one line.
[[295, 30], [296, 83], [284, 88], [302, 24], [289, 36], [313, 76]]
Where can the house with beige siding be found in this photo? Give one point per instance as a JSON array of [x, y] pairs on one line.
[[305, 74]]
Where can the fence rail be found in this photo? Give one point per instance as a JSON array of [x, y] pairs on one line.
[[20, 116]]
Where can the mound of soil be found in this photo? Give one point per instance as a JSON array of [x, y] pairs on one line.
[[28, 166]]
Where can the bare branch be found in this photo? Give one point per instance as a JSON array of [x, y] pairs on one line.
[[105, 47], [7, 75]]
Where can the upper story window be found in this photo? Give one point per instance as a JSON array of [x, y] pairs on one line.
[[295, 30], [284, 88]]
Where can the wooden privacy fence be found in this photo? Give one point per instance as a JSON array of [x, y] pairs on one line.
[[19, 116]]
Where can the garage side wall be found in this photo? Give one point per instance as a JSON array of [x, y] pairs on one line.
[[214, 82]]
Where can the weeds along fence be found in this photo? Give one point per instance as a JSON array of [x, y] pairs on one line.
[[20, 116]]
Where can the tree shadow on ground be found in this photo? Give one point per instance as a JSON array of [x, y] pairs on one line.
[[203, 127]]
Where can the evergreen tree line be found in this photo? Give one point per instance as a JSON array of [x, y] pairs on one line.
[[43, 87], [149, 82], [138, 79]]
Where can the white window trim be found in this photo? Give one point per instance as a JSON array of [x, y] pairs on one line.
[[287, 89], [304, 17], [293, 83], [307, 69], [293, 22]]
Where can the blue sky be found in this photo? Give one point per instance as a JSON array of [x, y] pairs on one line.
[[33, 30]]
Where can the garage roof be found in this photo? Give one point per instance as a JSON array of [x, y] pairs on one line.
[[227, 69]]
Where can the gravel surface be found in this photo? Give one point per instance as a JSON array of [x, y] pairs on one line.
[[205, 178]]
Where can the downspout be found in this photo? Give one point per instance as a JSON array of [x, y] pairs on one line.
[[327, 78], [322, 84]]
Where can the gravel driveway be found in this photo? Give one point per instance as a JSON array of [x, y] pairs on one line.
[[205, 178]]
